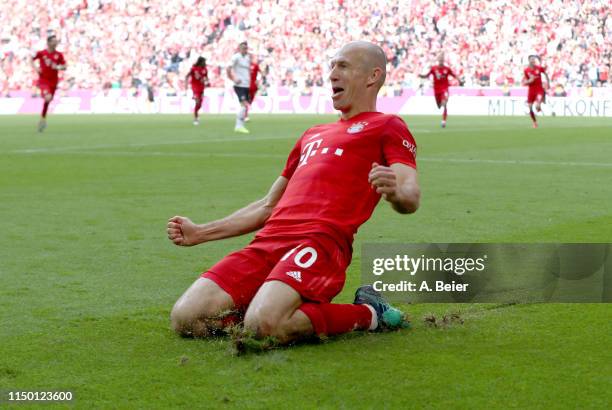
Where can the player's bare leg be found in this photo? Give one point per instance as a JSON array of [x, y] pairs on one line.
[[532, 115], [539, 104], [444, 114], [198, 105], [278, 311], [196, 313], [241, 115], [246, 113], [42, 124], [274, 312]]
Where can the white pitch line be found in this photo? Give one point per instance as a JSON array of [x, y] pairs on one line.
[[164, 154], [450, 129], [238, 139], [517, 162], [263, 155], [149, 144]]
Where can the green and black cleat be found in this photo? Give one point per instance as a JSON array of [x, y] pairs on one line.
[[389, 318]]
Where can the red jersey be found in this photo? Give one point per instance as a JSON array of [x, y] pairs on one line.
[[440, 77], [536, 72], [328, 190], [254, 70], [49, 60], [199, 76]]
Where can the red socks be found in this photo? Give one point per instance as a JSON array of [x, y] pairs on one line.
[[332, 319], [45, 108], [197, 108], [444, 115], [231, 319], [532, 115]]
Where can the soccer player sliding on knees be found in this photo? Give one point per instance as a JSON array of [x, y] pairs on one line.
[[283, 282]]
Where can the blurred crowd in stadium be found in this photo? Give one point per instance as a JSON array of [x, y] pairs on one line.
[[129, 43]]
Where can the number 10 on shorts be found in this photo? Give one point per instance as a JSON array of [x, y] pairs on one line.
[[305, 258]]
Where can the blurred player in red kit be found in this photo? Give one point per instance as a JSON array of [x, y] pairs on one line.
[[253, 85], [533, 80], [199, 80], [440, 75], [285, 279], [47, 64]]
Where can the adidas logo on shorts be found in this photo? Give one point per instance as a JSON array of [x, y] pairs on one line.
[[297, 275]]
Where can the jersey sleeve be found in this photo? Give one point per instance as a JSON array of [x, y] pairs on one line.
[[398, 144], [293, 160], [62, 61], [37, 56]]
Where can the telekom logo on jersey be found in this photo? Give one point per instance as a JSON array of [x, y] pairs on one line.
[[313, 147]]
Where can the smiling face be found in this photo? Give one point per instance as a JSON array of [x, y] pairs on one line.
[[356, 75], [347, 79]]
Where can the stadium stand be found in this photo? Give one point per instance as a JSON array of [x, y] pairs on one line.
[[123, 44]]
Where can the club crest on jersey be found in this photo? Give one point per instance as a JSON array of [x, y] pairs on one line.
[[357, 127]]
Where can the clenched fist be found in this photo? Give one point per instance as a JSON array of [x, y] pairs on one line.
[[182, 232], [384, 180]]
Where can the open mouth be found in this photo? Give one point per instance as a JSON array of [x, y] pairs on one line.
[[337, 91]]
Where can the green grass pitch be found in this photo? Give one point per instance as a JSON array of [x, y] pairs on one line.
[[88, 278]]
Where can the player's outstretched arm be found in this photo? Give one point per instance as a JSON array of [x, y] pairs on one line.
[[459, 79], [36, 63], [183, 232], [547, 80], [398, 184]]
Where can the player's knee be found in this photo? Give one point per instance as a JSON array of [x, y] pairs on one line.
[[264, 323], [182, 319], [187, 319], [198, 308]]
